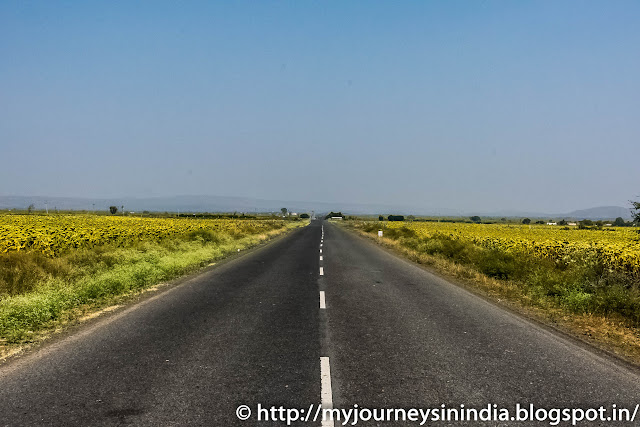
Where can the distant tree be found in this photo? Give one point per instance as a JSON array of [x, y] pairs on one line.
[[113, 209], [475, 218], [586, 222], [395, 218], [284, 211], [380, 218], [636, 214], [619, 222], [503, 219], [539, 221], [563, 222], [411, 218], [31, 207], [304, 215], [526, 221]]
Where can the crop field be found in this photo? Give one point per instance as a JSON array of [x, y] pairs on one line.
[[53, 234], [617, 248]]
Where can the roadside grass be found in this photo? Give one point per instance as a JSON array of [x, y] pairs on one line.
[[39, 294], [585, 299]]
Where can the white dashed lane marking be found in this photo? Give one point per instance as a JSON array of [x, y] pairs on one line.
[[326, 394]]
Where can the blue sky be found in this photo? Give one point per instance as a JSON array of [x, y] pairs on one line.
[[476, 105]]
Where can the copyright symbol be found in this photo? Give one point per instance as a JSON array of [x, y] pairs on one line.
[[243, 412]]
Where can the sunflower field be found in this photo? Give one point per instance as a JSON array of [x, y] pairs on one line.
[[53, 234], [617, 248]]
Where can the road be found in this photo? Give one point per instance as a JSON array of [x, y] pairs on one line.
[[319, 316]]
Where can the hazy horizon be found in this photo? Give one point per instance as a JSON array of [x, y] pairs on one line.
[[210, 203], [470, 106]]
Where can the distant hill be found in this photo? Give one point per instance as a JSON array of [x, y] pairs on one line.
[[192, 204], [601, 212], [154, 204]]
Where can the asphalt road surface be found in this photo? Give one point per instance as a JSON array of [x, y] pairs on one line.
[[317, 317]]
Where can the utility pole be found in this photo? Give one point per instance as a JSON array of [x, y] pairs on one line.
[[46, 206]]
